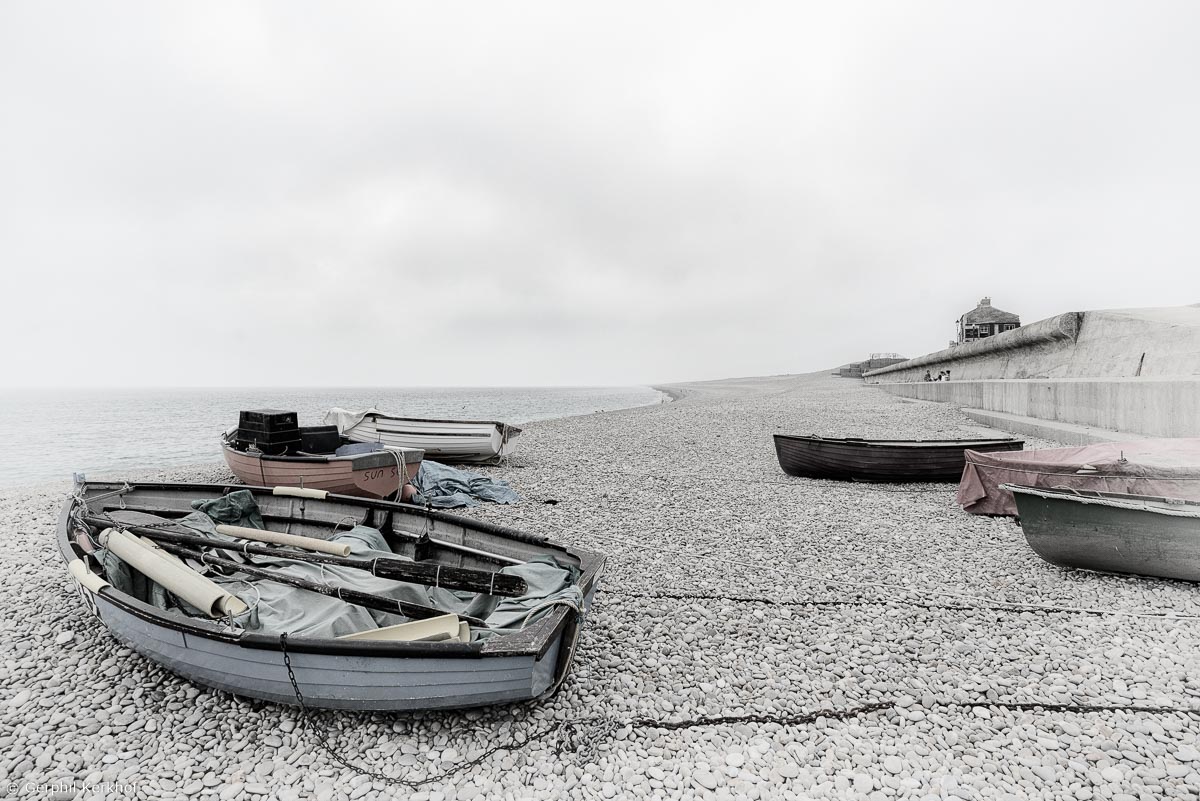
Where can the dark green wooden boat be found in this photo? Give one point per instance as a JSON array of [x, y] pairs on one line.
[[1111, 532]]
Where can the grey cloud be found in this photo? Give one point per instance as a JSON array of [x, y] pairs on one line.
[[617, 193]]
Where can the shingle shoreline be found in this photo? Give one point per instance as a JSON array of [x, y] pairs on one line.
[[733, 592]]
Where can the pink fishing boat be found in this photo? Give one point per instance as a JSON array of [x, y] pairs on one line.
[[377, 473]]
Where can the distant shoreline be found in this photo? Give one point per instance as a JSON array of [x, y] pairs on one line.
[[122, 434], [674, 393]]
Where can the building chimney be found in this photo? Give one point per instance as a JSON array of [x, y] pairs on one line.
[[985, 302]]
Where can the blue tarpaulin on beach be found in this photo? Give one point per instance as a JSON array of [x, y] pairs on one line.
[[446, 487]]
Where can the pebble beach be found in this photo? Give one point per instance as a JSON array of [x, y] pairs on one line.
[[755, 636]]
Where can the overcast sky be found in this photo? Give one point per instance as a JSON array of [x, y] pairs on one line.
[[525, 194]]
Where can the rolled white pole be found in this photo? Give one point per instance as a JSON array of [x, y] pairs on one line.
[[85, 577], [434, 629], [178, 578], [279, 538], [299, 492]]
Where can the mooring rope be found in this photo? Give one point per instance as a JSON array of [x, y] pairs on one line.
[[582, 736], [684, 596], [776, 568]]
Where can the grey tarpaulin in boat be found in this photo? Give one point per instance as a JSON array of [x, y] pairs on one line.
[[446, 487], [236, 509], [131, 581], [276, 607], [355, 448]]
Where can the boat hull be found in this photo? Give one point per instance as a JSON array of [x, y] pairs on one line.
[[334, 673], [1111, 533], [373, 475], [353, 681], [880, 460], [471, 442]]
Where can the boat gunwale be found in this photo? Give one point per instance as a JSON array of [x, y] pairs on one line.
[[321, 458], [856, 442], [1115, 500], [533, 641], [499, 424]]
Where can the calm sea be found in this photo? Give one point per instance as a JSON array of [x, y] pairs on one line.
[[47, 435]]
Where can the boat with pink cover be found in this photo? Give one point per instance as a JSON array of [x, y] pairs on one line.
[[1160, 468]]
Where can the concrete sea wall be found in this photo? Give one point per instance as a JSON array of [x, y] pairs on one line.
[[1125, 370]]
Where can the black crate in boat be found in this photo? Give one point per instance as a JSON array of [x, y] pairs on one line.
[[267, 420], [319, 439]]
